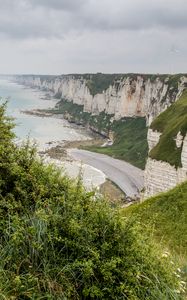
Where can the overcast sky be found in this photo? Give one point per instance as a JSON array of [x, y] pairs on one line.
[[80, 36]]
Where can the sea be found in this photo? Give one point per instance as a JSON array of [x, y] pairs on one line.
[[42, 130], [46, 131]]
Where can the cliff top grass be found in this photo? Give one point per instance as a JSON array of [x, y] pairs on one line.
[[166, 214], [170, 122]]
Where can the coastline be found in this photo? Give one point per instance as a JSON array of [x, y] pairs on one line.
[[57, 153]]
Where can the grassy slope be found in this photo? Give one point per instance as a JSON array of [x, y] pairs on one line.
[[130, 134], [130, 142], [170, 123], [167, 215]]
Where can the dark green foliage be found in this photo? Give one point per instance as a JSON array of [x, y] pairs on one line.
[[170, 122], [58, 241], [100, 82], [174, 80], [74, 113]]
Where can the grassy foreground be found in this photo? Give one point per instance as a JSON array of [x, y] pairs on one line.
[[58, 241], [166, 216]]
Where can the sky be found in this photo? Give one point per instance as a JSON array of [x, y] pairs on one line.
[[89, 36]]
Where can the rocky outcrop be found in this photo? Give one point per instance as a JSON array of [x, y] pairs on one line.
[[127, 96], [153, 138], [160, 176]]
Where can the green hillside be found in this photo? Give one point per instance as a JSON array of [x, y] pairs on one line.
[[130, 134], [58, 241], [166, 217], [130, 142], [170, 122]]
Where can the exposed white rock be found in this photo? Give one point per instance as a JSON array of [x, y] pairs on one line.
[[153, 138], [181, 86], [184, 154], [179, 139], [161, 176], [127, 97]]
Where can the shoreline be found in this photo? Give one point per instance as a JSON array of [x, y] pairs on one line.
[[58, 151], [108, 188]]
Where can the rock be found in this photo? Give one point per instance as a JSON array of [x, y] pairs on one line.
[[126, 97], [161, 176]]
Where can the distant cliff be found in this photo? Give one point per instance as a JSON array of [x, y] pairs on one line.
[[120, 95]]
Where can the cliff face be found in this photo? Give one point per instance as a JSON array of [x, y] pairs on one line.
[[125, 96], [167, 139], [128, 96], [160, 176]]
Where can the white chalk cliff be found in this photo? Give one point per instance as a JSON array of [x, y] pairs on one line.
[[127, 96], [160, 176]]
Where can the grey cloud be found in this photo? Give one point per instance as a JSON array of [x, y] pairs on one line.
[[56, 18], [59, 4], [136, 14], [66, 36]]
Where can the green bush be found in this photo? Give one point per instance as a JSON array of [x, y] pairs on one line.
[[58, 241]]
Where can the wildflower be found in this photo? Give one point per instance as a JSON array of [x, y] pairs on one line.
[[165, 254]]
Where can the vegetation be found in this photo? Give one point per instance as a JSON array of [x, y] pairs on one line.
[[130, 141], [75, 114], [166, 215], [58, 241], [99, 82], [130, 134], [170, 122]]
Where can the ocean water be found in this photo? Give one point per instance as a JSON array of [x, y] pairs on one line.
[[40, 129], [44, 130]]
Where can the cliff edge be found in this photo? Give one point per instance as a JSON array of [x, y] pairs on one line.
[[167, 139]]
